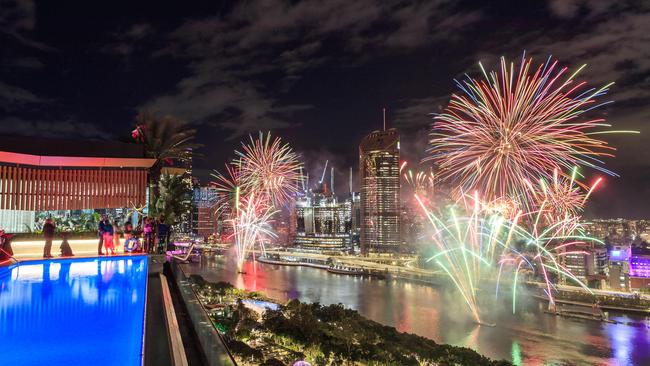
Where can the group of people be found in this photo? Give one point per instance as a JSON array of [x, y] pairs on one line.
[[109, 237], [155, 235], [49, 230]]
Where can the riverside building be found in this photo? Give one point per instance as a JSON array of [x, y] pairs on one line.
[[322, 223], [379, 155]]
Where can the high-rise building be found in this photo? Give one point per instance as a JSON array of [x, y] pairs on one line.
[[322, 223], [380, 192], [205, 219], [619, 268], [355, 230]]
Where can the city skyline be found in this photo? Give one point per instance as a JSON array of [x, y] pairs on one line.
[[58, 81], [308, 182]]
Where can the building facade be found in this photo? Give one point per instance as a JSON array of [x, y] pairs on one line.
[[322, 223], [204, 220], [379, 155], [618, 272], [36, 183], [640, 269]]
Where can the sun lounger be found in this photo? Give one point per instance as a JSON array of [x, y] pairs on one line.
[[189, 254]]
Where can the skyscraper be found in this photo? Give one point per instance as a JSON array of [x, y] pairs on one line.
[[322, 223], [380, 192]]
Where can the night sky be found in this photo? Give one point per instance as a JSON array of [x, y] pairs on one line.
[[316, 73]]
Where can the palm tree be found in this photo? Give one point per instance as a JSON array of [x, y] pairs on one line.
[[165, 139], [174, 197]]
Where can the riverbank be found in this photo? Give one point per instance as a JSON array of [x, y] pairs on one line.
[[528, 337], [260, 331], [319, 264], [619, 302]]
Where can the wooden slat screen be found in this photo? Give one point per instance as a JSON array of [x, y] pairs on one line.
[[49, 189]]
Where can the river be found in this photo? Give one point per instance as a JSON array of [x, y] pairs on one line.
[[529, 337]]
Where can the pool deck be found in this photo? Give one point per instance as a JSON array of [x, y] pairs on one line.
[[157, 347], [156, 344]]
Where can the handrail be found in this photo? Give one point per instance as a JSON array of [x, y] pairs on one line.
[[213, 344], [173, 331]]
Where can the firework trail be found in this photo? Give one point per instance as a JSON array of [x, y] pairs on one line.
[[264, 176], [518, 124], [474, 244], [420, 181], [252, 225], [269, 166]]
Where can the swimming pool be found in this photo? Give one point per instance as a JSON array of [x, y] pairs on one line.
[[86, 311]]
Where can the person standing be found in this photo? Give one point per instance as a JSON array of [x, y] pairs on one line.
[[163, 231], [147, 229], [108, 238], [48, 233], [116, 235], [128, 230], [101, 229]]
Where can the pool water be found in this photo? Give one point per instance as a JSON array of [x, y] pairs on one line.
[[86, 311]]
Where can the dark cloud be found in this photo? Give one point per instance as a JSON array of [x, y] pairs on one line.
[[10, 96], [17, 22], [611, 38], [128, 41], [25, 62], [319, 72], [277, 42], [54, 129]]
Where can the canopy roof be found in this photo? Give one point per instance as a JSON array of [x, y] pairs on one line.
[[44, 152]]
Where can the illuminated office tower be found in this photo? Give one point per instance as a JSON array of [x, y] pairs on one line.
[[322, 223], [380, 192]]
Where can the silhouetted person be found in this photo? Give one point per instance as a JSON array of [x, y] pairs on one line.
[[128, 230], [147, 231], [66, 250], [101, 230], [48, 233], [163, 231], [108, 238]]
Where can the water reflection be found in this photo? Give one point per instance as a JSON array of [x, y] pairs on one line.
[[515, 353], [81, 311], [529, 337]]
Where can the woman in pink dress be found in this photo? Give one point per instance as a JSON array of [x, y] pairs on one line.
[[109, 245]]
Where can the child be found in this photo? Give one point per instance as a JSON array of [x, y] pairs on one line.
[[109, 245]]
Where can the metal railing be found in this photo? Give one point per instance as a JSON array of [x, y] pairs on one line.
[[212, 342]]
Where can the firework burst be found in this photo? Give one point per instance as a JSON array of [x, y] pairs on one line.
[[561, 198], [515, 125], [269, 166], [264, 176]]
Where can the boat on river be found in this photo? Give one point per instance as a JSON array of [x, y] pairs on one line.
[[352, 271]]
